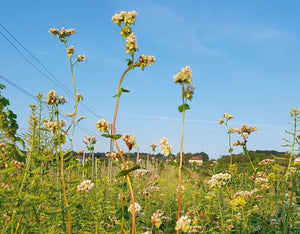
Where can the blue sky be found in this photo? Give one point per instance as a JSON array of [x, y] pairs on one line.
[[244, 56]]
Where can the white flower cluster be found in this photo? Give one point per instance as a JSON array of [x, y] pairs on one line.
[[166, 148], [85, 186], [183, 223], [137, 207], [141, 172], [184, 75], [219, 180]]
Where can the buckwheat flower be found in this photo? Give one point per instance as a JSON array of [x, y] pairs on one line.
[[62, 123], [294, 112], [238, 143], [166, 148], [297, 161], [52, 98], [53, 31], [78, 97], [80, 118], [220, 121], [80, 58], [118, 18], [129, 140], [85, 186], [70, 51], [229, 227], [153, 147], [113, 156], [219, 180], [189, 91], [150, 189], [18, 165], [131, 44], [68, 114], [129, 18], [61, 100], [255, 209], [227, 116], [141, 172], [184, 75], [156, 218], [137, 207], [183, 223], [51, 126], [145, 60], [266, 162]]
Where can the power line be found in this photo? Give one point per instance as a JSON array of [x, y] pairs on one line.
[[86, 130], [18, 87], [54, 80]]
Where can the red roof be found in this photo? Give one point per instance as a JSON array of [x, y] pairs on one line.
[[196, 158]]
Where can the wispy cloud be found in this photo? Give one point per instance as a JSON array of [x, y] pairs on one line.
[[167, 118]]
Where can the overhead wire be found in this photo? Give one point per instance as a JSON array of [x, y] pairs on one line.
[[27, 93], [53, 79]]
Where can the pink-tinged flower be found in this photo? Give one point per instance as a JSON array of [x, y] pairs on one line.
[[129, 140], [102, 125]]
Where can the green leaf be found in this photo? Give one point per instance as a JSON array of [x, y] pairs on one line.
[[116, 137], [183, 107], [2, 86], [4, 101], [230, 150], [125, 90], [277, 158], [126, 172]]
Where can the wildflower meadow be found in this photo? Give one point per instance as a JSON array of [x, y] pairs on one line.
[[45, 188]]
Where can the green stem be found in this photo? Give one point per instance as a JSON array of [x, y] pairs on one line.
[[118, 148], [181, 158], [293, 144], [63, 182], [247, 153]]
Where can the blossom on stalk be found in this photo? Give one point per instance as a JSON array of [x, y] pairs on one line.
[[129, 140], [153, 147], [102, 125], [184, 76], [146, 60], [188, 92], [80, 58], [137, 207], [219, 180], [85, 186], [183, 223], [166, 148], [156, 218], [52, 98], [131, 44], [127, 17], [63, 34], [70, 51]]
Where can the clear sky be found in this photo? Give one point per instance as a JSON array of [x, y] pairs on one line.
[[244, 56]]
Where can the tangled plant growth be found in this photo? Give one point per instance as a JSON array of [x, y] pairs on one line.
[[44, 189]]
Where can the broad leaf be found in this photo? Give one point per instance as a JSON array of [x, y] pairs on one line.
[[183, 107], [126, 172], [116, 137]]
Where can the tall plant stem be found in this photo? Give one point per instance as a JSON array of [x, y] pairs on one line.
[[180, 159], [63, 181], [75, 99], [293, 144], [247, 153], [118, 148]]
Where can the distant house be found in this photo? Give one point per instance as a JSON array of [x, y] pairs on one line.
[[196, 161]]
